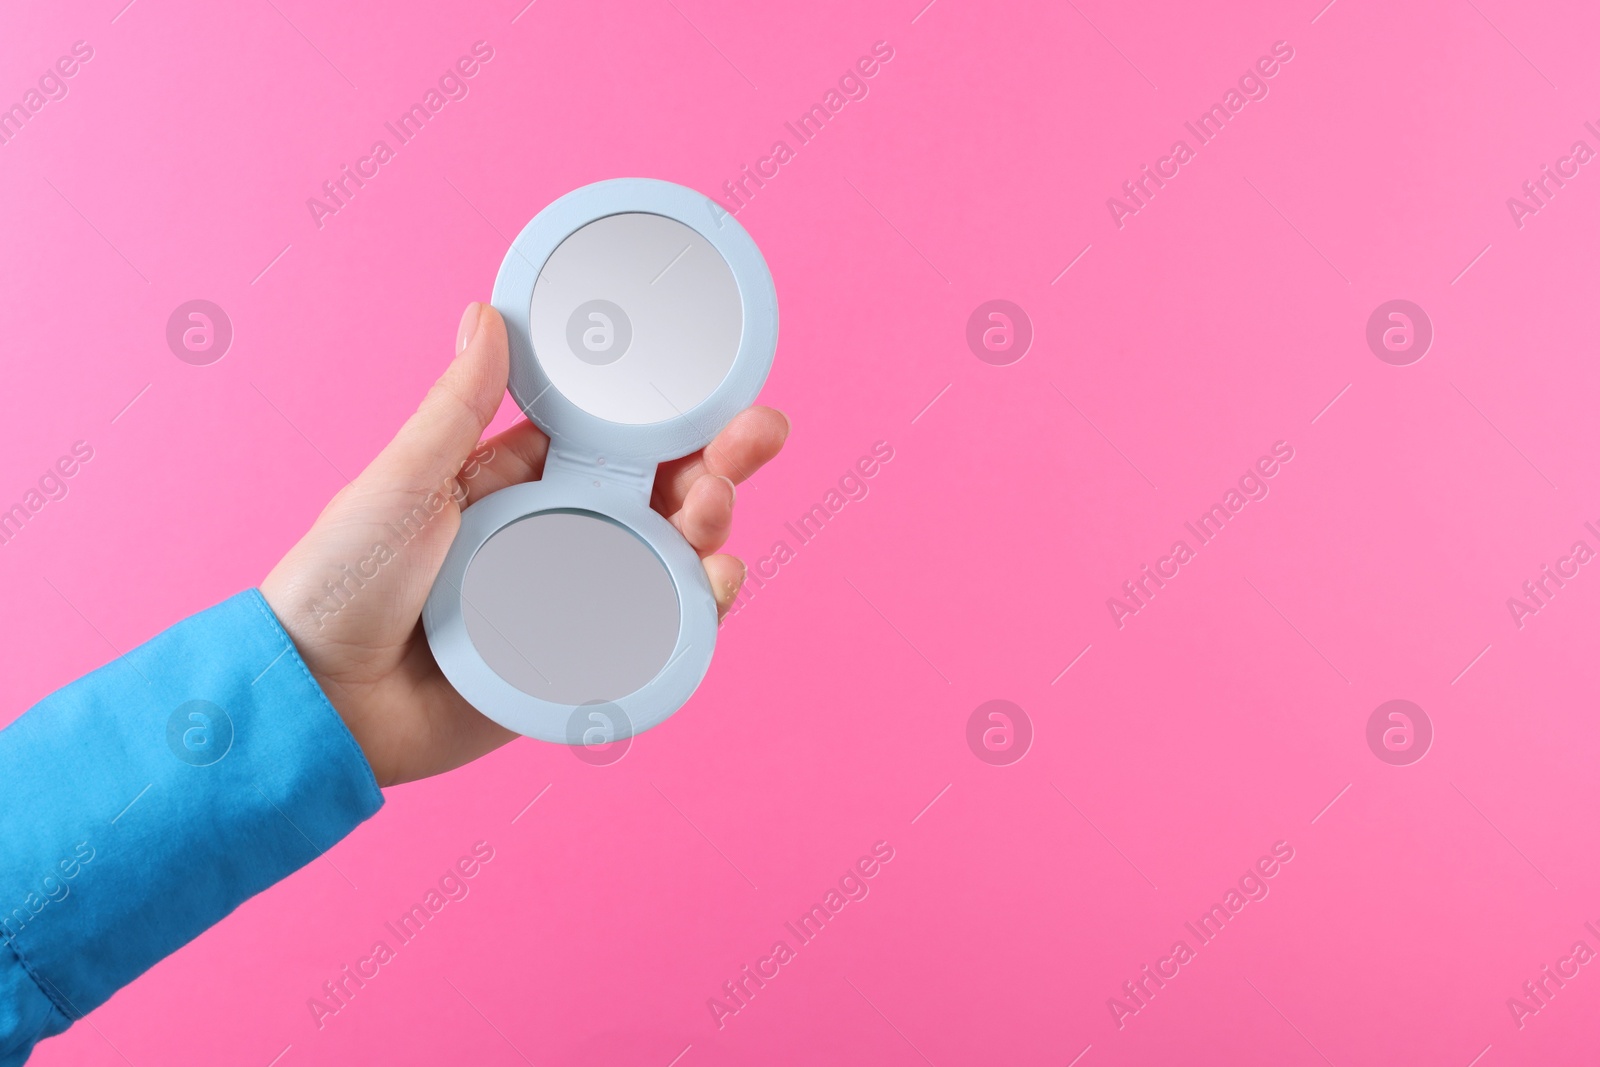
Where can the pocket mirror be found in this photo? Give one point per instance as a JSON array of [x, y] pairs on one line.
[[641, 320]]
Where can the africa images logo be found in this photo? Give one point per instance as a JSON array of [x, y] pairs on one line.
[[599, 332], [1140, 591], [199, 733], [851, 86], [1252, 887], [853, 886], [452, 85], [1252, 86]]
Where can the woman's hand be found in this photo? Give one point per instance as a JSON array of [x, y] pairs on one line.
[[350, 593]]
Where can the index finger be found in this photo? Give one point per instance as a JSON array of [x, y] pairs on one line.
[[747, 443]]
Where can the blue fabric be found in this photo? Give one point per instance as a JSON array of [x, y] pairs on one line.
[[145, 801]]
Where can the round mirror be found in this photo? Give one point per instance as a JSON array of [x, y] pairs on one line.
[[570, 607], [635, 318]]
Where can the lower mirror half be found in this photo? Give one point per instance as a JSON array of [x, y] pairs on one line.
[[570, 607]]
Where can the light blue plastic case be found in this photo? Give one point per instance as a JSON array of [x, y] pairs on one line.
[[642, 318]]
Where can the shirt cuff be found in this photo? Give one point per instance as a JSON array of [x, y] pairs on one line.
[[147, 800]]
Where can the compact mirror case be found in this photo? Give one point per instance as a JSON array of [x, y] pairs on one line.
[[641, 318]]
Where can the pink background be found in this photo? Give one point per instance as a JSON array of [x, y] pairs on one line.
[[1223, 317]]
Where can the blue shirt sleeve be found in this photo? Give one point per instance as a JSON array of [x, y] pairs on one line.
[[145, 801]]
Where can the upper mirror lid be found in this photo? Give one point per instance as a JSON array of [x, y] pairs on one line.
[[641, 318]]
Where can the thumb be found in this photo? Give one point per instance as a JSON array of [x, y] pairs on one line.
[[434, 443]]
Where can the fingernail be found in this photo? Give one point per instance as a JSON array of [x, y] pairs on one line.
[[744, 572], [733, 489], [787, 425], [469, 325]]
